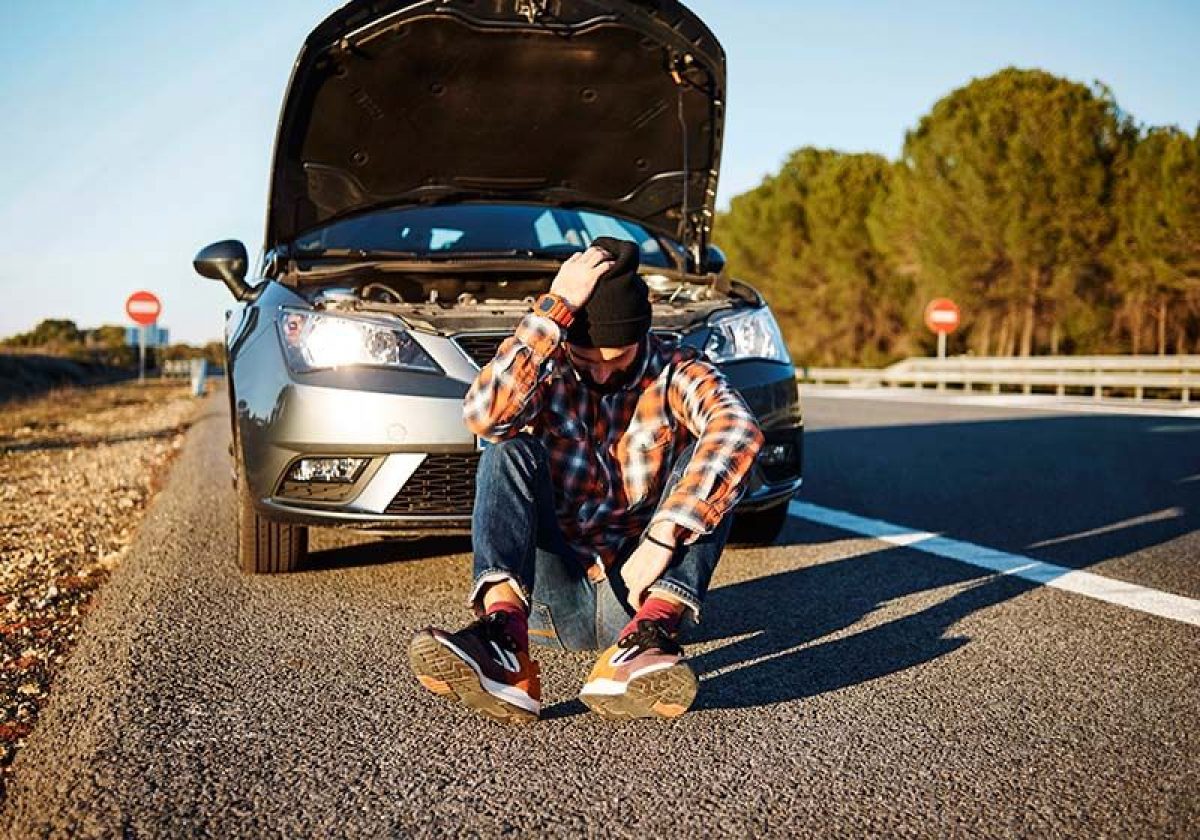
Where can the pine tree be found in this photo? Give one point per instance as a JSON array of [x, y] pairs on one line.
[[802, 237], [1010, 203], [1157, 252], [1031, 200]]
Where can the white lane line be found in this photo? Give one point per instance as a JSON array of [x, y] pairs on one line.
[[1157, 516], [1130, 595]]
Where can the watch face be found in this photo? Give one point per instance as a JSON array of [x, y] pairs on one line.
[[547, 304]]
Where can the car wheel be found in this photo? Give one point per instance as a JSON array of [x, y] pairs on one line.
[[265, 546], [760, 527]]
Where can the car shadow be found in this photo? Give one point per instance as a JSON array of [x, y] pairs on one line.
[[366, 550]]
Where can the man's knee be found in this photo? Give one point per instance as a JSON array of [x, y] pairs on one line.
[[523, 452]]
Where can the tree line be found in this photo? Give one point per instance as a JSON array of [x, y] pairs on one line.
[[1055, 222], [105, 344]]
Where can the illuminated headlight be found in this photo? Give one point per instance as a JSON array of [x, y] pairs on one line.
[[315, 340], [749, 334], [327, 470]]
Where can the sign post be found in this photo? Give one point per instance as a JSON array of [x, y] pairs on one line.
[[942, 317], [143, 308]]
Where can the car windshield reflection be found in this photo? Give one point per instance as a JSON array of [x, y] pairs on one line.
[[501, 230]]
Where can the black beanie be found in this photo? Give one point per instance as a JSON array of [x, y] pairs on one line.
[[618, 312]]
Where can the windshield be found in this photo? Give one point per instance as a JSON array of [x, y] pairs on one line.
[[526, 229]]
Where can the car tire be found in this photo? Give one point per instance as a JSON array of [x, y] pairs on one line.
[[760, 527], [265, 546]]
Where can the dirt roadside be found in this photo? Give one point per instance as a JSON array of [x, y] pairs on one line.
[[77, 468]]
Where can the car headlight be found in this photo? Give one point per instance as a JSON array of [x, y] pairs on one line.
[[316, 340], [747, 334]]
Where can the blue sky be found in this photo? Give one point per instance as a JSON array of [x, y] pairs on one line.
[[136, 132]]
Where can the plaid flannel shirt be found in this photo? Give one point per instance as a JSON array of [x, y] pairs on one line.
[[611, 454]]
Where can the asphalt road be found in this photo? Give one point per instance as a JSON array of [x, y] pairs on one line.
[[849, 687]]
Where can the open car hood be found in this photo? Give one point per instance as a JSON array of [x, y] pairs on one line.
[[612, 104]]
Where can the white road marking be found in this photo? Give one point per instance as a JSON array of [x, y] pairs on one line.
[[907, 538], [1129, 595], [1157, 516]]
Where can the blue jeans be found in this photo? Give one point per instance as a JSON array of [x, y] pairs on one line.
[[516, 537]]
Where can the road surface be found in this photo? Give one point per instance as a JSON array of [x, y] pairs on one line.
[[851, 684]]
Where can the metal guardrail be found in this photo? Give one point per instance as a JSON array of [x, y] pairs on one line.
[[197, 370], [176, 369], [1168, 376]]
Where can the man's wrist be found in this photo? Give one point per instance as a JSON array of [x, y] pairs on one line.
[[555, 307], [651, 539], [567, 302], [664, 533]]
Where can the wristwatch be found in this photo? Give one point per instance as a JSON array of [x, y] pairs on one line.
[[554, 308]]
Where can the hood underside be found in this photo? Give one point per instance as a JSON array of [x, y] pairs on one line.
[[612, 104]]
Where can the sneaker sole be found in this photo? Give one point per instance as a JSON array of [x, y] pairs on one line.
[[662, 694], [446, 675]]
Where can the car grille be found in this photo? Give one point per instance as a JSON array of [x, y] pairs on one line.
[[482, 347], [444, 485]]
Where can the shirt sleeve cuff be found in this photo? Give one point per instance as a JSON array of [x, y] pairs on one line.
[[689, 525], [539, 333]]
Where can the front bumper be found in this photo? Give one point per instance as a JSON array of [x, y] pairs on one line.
[[769, 390], [433, 492], [419, 470], [779, 478], [419, 475]]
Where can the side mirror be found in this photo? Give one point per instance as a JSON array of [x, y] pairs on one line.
[[714, 260], [225, 261]]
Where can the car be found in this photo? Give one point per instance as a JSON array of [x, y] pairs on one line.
[[435, 163]]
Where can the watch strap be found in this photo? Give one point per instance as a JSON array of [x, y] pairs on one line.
[[555, 308]]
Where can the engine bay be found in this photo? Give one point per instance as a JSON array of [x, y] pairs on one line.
[[446, 304]]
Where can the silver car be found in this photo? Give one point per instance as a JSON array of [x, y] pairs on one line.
[[434, 165]]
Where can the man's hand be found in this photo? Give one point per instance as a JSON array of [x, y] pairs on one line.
[[578, 275], [644, 566]]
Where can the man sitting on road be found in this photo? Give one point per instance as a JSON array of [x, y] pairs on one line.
[[602, 503]]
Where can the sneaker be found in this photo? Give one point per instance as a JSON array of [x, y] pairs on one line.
[[480, 667], [642, 675]]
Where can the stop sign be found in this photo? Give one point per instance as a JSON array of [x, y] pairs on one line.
[[143, 308], [941, 316]]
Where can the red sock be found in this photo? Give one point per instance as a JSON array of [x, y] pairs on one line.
[[667, 613], [518, 622]]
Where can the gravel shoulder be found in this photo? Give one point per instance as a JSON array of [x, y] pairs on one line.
[[78, 467]]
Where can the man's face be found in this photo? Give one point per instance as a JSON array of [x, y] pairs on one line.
[[601, 364]]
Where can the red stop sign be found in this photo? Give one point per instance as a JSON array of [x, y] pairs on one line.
[[143, 308], [941, 315]]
